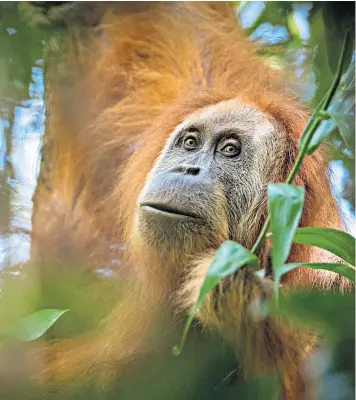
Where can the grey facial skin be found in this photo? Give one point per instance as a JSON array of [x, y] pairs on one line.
[[209, 177]]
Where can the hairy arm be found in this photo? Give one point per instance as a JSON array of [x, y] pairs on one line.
[[263, 343]]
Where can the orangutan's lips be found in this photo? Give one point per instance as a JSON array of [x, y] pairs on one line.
[[168, 210]]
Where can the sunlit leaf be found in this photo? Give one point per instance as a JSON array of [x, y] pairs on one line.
[[337, 242], [342, 269], [229, 258], [33, 326], [285, 204]]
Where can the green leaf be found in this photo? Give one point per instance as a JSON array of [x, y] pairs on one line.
[[318, 128], [342, 104], [337, 242], [346, 126], [338, 18], [341, 269], [285, 204], [229, 258], [33, 326], [324, 129]]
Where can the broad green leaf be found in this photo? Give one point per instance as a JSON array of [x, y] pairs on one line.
[[342, 269], [337, 242], [229, 258], [33, 326], [285, 204], [346, 125]]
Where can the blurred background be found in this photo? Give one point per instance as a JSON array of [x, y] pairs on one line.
[[303, 38]]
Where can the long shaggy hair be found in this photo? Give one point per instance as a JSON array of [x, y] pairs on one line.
[[109, 115]]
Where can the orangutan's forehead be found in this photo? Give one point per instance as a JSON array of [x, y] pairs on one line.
[[232, 115]]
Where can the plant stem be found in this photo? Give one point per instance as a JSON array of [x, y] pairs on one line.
[[309, 131], [262, 235]]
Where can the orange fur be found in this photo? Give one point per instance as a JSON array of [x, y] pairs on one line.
[[143, 74]]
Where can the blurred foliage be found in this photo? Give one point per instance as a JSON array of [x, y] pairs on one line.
[[305, 39], [334, 315], [21, 47]]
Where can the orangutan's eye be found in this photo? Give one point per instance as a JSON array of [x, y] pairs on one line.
[[230, 148], [190, 142]]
